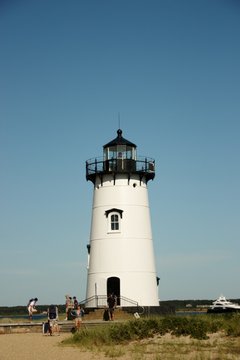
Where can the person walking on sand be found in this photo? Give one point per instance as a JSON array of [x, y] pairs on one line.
[[32, 307]]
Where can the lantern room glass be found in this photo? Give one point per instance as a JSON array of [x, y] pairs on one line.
[[120, 152]]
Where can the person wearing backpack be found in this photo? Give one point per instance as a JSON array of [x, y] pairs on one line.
[[53, 319]]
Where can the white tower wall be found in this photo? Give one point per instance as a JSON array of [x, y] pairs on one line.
[[126, 254]]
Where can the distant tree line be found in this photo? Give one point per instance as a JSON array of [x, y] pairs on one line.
[[22, 310], [175, 304]]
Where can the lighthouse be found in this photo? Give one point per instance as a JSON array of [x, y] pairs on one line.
[[120, 251]]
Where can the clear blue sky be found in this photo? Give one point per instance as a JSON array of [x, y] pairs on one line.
[[172, 70]]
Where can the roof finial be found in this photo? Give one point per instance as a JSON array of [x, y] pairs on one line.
[[119, 132]]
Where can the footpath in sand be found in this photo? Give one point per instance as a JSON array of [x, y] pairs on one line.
[[40, 347]]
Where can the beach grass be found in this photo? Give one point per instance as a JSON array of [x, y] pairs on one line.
[[203, 337]]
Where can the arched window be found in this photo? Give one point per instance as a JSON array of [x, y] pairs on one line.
[[114, 222], [114, 217]]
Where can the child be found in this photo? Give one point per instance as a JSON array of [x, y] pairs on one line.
[[78, 319]]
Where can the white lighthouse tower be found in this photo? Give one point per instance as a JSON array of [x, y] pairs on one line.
[[120, 252]]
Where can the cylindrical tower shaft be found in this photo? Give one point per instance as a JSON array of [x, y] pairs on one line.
[[121, 254]]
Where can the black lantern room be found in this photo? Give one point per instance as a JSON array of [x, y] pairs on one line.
[[120, 157]]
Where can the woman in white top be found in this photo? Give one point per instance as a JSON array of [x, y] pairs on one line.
[[31, 307]]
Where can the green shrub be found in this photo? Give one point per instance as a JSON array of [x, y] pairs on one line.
[[198, 329], [233, 325], [88, 338], [184, 326], [131, 330], [120, 332]]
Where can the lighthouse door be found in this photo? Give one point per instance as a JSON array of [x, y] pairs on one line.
[[113, 287]]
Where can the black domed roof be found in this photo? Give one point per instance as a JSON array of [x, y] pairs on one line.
[[119, 140]]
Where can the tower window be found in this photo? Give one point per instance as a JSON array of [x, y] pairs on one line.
[[114, 217], [114, 222]]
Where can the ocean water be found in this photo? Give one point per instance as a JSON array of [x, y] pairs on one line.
[[35, 317], [192, 313]]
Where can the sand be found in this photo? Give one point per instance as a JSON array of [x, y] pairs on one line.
[[40, 347], [36, 346]]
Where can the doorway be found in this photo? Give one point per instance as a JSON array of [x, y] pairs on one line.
[[113, 286]]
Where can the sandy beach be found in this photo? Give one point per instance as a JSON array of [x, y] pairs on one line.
[[40, 347], [28, 346]]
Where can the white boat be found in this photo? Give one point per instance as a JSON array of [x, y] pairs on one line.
[[222, 305]]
